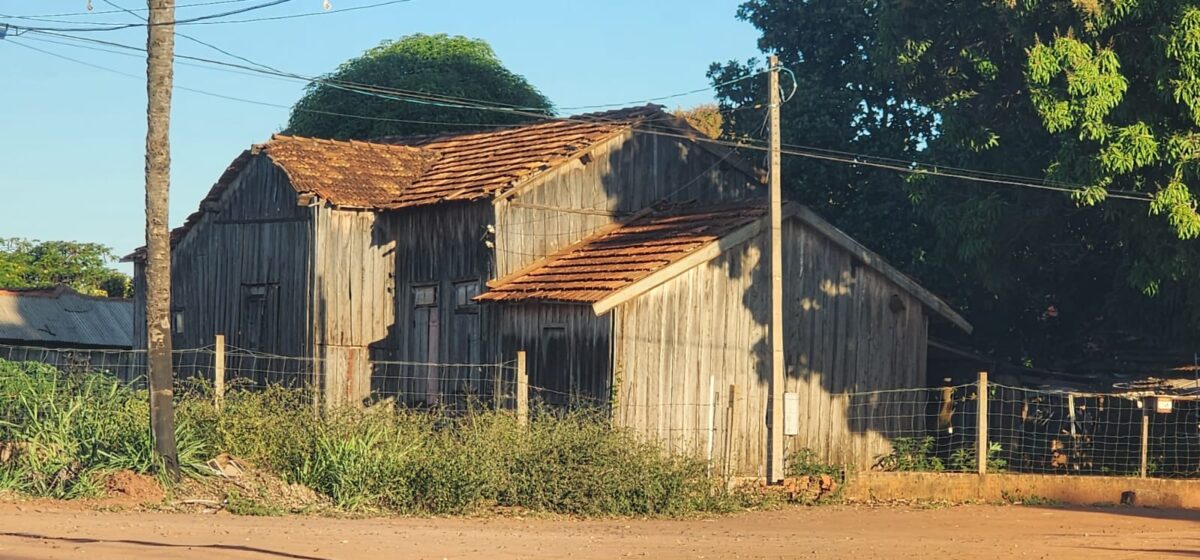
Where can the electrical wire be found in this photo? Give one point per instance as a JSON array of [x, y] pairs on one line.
[[116, 27], [912, 168], [210, 19], [75, 14], [250, 101]]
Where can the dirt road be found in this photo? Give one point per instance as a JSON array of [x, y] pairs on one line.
[[992, 532]]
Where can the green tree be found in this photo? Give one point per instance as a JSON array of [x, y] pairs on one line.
[[424, 65], [82, 266], [1103, 95]]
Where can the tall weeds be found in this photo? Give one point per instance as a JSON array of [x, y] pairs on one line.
[[66, 432]]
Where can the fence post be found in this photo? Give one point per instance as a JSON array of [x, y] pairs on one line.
[[981, 450], [1145, 436], [522, 390], [731, 419], [219, 373]]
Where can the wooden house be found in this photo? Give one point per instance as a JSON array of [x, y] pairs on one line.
[[666, 316], [620, 250], [359, 252]]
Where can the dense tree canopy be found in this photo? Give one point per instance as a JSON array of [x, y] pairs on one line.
[[1102, 97], [82, 266], [422, 66]]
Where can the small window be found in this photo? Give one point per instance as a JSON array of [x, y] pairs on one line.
[[464, 296], [425, 296], [177, 321]]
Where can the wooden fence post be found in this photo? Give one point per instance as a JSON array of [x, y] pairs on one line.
[[1145, 437], [981, 450], [731, 416], [219, 373], [522, 390]]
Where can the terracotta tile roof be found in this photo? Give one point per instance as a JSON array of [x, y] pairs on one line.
[[605, 263], [477, 165], [401, 172], [353, 174]]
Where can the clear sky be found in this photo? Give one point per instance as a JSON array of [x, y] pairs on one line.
[[72, 136]]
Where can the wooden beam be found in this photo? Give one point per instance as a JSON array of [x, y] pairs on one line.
[[871, 259], [657, 278]]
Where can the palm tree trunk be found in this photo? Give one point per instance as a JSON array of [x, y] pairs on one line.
[[160, 47]]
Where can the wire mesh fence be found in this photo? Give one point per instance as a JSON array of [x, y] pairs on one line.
[[1030, 431], [448, 387], [1122, 434], [923, 429], [931, 429]]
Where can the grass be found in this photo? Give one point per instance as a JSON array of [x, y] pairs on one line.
[[61, 435]]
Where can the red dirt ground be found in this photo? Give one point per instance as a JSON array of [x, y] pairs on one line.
[[56, 530]]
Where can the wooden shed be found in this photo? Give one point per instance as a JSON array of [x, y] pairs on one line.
[[617, 248], [358, 253], [666, 316]]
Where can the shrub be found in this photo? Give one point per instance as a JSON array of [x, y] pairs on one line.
[[911, 454]]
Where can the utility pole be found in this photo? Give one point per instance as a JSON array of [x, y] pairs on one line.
[[160, 54], [775, 450]]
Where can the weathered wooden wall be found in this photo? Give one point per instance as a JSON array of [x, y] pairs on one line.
[[257, 238], [568, 349], [844, 336], [442, 346], [707, 328], [352, 282], [703, 330], [625, 174]]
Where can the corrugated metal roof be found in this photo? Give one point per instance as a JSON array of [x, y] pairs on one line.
[[64, 317], [608, 262]]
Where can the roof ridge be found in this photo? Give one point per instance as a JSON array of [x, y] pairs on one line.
[[631, 116]]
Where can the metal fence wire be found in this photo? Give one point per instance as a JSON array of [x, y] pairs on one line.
[[1031, 431], [1028, 430], [451, 387]]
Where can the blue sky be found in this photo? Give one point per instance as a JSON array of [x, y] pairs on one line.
[[71, 152]]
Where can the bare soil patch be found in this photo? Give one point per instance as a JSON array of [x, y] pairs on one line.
[[971, 531], [128, 486]]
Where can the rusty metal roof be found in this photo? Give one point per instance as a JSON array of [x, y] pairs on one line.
[[63, 317], [607, 262]]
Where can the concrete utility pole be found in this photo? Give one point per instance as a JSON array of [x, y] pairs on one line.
[[775, 449], [160, 54]]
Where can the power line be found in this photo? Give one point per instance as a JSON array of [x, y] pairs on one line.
[[210, 19], [180, 6], [244, 100], [912, 168], [115, 26]]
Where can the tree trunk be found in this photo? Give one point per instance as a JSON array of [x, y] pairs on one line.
[[160, 51]]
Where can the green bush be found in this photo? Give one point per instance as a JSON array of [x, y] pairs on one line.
[[912, 454]]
